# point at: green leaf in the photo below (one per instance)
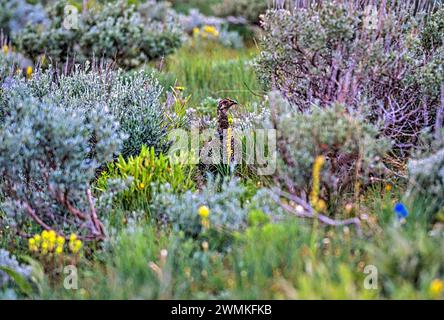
(24, 286)
(38, 274)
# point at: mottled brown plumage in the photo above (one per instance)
(223, 124)
(222, 114)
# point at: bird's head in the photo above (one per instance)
(225, 104)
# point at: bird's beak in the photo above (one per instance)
(234, 103)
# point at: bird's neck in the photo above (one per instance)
(222, 120)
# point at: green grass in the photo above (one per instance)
(213, 71)
(268, 261)
(283, 260)
(204, 6)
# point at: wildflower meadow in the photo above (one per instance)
(222, 150)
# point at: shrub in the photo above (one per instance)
(6, 62)
(426, 171)
(205, 29)
(12, 63)
(116, 31)
(229, 204)
(133, 100)
(186, 6)
(250, 10)
(345, 52)
(350, 145)
(231, 39)
(48, 160)
(15, 14)
(146, 171)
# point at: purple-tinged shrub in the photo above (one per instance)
(385, 54)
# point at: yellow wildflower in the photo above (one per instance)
(60, 240)
(72, 237)
(321, 205)
(141, 186)
(29, 71)
(78, 245)
(37, 238)
(5, 49)
(196, 31)
(32, 245)
(203, 212)
(75, 246)
(59, 250)
(316, 203)
(52, 236)
(45, 235)
(212, 30)
(388, 187)
(436, 288)
(44, 248)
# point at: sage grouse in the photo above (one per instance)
(223, 125)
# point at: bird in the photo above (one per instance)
(224, 126)
(223, 106)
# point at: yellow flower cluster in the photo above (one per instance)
(317, 204)
(207, 31)
(212, 30)
(46, 242)
(436, 288)
(74, 244)
(204, 213)
(5, 49)
(49, 242)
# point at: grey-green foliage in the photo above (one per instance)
(15, 14)
(426, 170)
(250, 10)
(5, 68)
(48, 156)
(428, 75)
(431, 35)
(342, 136)
(7, 260)
(228, 206)
(231, 39)
(131, 35)
(133, 100)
